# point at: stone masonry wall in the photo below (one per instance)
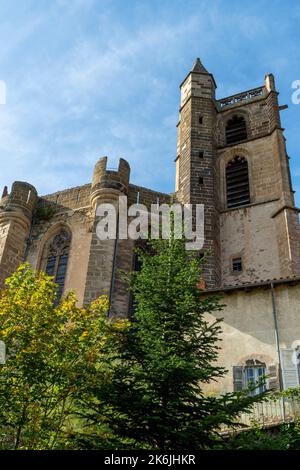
(12, 247)
(250, 233)
(72, 198)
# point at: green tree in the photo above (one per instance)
(156, 398)
(54, 353)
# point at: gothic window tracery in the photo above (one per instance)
(56, 259)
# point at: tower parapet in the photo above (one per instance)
(16, 212)
(107, 182)
(107, 186)
(23, 196)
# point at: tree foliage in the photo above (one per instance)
(54, 354)
(76, 379)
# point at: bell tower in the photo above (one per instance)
(196, 156)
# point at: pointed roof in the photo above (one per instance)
(198, 67)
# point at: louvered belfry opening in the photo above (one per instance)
(237, 182)
(236, 130)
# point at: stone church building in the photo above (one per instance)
(231, 157)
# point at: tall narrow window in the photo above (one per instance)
(254, 379)
(251, 377)
(236, 130)
(56, 259)
(237, 266)
(237, 182)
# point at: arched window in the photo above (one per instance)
(237, 182)
(55, 259)
(236, 130)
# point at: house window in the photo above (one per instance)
(236, 130)
(237, 182)
(201, 180)
(251, 377)
(201, 154)
(200, 119)
(237, 266)
(56, 259)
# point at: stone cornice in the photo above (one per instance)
(291, 208)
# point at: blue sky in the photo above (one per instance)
(87, 78)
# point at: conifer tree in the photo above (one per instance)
(157, 396)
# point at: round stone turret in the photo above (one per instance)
(23, 196)
(110, 182)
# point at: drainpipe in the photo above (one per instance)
(277, 342)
